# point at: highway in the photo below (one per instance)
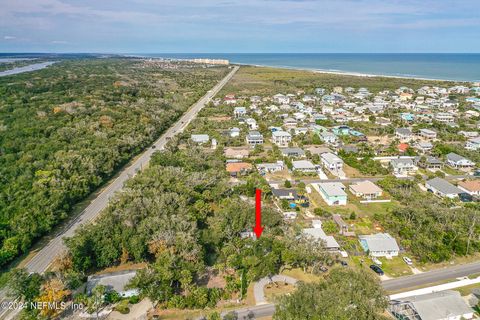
(44, 258)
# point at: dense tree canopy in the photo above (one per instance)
(66, 129)
(345, 294)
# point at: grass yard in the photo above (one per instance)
(274, 290)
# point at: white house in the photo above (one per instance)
(234, 132)
(379, 245)
(271, 167)
(427, 134)
(457, 161)
(473, 144)
(239, 112)
(254, 137)
(440, 305)
(303, 166)
(442, 188)
(281, 99)
(251, 123)
(471, 187)
(200, 138)
(403, 166)
(317, 233)
(281, 138)
(328, 137)
(404, 134)
(366, 189)
(115, 281)
(331, 161)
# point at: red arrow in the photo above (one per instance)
(258, 229)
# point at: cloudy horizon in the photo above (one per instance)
(241, 26)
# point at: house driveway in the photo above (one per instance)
(258, 291)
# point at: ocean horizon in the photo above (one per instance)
(441, 66)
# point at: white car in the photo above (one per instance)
(408, 260)
(376, 261)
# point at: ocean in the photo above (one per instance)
(443, 66)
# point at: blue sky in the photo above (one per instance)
(153, 26)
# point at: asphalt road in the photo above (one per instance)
(399, 284)
(44, 258)
(453, 272)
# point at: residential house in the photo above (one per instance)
(430, 163)
(239, 112)
(234, 132)
(238, 168)
(290, 123)
(331, 161)
(317, 233)
(281, 99)
(285, 194)
(427, 134)
(379, 245)
(366, 190)
(333, 193)
(292, 152)
(404, 134)
(442, 188)
(328, 137)
(383, 121)
(303, 166)
(444, 117)
(200, 138)
(439, 305)
(270, 167)
(473, 144)
(458, 162)
(403, 166)
(254, 138)
(236, 152)
(281, 138)
(424, 146)
(251, 123)
(472, 187)
(114, 281)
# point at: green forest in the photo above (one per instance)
(182, 217)
(66, 129)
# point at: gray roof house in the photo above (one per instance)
(292, 152)
(254, 137)
(200, 138)
(457, 161)
(441, 305)
(288, 194)
(443, 188)
(379, 245)
(113, 281)
(304, 166)
(317, 233)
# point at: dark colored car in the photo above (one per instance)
(343, 263)
(377, 270)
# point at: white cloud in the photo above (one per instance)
(9, 38)
(59, 42)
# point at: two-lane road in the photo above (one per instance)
(393, 285)
(44, 258)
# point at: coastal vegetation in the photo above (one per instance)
(429, 226)
(343, 289)
(252, 80)
(67, 129)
